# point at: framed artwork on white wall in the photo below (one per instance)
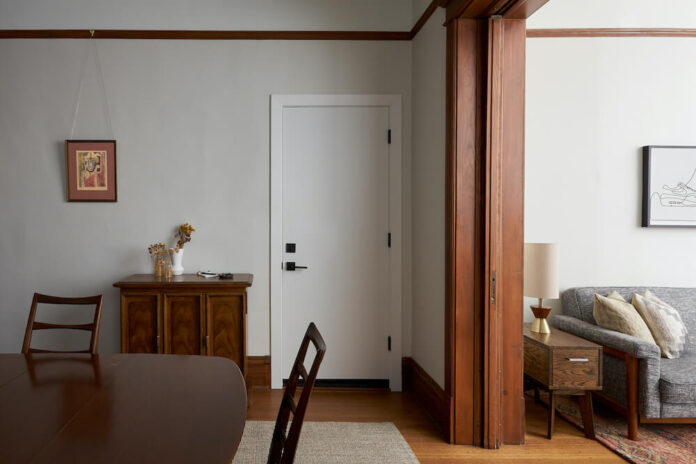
(669, 186)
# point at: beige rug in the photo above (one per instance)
(331, 442)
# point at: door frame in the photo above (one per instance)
(393, 104)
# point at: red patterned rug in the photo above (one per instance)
(656, 444)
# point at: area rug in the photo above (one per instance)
(656, 444)
(331, 442)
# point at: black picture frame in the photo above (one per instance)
(649, 189)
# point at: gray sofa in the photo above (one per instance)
(637, 381)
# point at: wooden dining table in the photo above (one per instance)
(120, 408)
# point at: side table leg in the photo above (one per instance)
(587, 414)
(552, 414)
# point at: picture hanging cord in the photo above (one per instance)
(92, 44)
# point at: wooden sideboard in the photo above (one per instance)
(185, 314)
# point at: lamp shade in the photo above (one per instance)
(541, 270)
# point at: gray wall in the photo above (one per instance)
(428, 319)
(191, 120)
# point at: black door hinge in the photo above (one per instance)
(389, 136)
(389, 240)
(389, 343)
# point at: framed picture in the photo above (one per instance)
(90, 170)
(669, 186)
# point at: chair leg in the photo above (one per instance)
(632, 396)
(552, 414)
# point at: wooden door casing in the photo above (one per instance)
(141, 323)
(226, 319)
(184, 324)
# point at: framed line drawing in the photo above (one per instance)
(669, 186)
(90, 170)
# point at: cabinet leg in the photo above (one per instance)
(585, 402)
(552, 414)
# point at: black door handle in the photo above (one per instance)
(291, 266)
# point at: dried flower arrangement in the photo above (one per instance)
(183, 235)
(159, 253)
(157, 249)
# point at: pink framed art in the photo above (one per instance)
(90, 170)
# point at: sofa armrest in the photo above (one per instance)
(634, 346)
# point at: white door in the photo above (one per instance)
(336, 214)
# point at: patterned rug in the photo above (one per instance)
(656, 444)
(331, 442)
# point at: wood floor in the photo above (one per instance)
(568, 445)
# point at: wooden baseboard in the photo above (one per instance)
(259, 373)
(431, 396)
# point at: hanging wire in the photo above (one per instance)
(92, 45)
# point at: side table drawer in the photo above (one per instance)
(575, 368)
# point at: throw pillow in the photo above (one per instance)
(665, 323)
(614, 313)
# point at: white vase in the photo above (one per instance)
(177, 257)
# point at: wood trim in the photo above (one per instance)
(431, 396)
(259, 373)
(512, 235)
(483, 9)
(143, 34)
(676, 420)
(424, 18)
(464, 250)
(492, 319)
(618, 32)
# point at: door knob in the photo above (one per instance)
(291, 266)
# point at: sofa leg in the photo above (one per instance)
(632, 396)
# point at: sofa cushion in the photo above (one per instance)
(614, 313)
(664, 322)
(678, 379)
(578, 303)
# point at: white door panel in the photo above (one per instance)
(335, 208)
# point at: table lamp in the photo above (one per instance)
(541, 280)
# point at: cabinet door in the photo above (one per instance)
(139, 323)
(226, 327)
(183, 324)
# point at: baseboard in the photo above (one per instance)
(259, 372)
(431, 396)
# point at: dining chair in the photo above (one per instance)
(284, 442)
(92, 327)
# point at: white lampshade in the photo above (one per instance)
(541, 270)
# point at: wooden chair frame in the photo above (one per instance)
(284, 446)
(631, 410)
(93, 327)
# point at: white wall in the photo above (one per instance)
(428, 184)
(207, 14)
(192, 124)
(615, 13)
(591, 105)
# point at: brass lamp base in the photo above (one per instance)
(540, 324)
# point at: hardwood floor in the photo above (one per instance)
(569, 445)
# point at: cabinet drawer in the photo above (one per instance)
(575, 368)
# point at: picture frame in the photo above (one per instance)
(669, 186)
(90, 170)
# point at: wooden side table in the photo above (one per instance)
(563, 364)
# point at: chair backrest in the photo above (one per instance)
(284, 443)
(91, 327)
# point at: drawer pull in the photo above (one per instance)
(578, 360)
